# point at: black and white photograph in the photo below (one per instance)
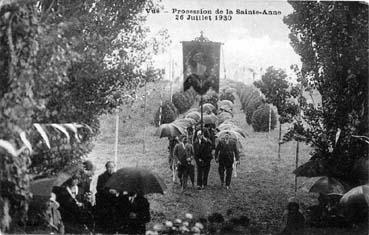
(184, 117)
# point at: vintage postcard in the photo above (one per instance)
(183, 117)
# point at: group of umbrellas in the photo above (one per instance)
(128, 179)
(223, 121)
(332, 187)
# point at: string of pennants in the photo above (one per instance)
(40, 128)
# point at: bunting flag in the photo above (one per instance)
(84, 125)
(62, 129)
(338, 135)
(8, 147)
(25, 141)
(42, 133)
(73, 128)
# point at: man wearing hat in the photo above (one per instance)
(225, 154)
(202, 148)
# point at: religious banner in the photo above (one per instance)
(202, 58)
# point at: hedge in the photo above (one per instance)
(260, 119)
(168, 114)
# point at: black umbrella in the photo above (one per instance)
(43, 187)
(312, 168)
(132, 179)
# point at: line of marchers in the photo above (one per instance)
(257, 12)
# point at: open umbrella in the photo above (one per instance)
(194, 115)
(227, 103)
(327, 185)
(229, 121)
(210, 119)
(223, 116)
(232, 134)
(355, 204)
(312, 168)
(207, 107)
(232, 127)
(358, 194)
(133, 179)
(184, 123)
(169, 130)
(225, 108)
(43, 187)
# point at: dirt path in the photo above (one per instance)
(260, 191)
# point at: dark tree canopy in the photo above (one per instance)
(65, 61)
(332, 40)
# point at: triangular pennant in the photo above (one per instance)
(62, 129)
(73, 128)
(83, 125)
(338, 134)
(8, 147)
(42, 133)
(25, 141)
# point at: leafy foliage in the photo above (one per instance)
(65, 61)
(183, 101)
(276, 89)
(260, 119)
(252, 105)
(168, 113)
(332, 40)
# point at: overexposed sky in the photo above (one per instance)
(249, 41)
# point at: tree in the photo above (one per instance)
(332, 40)
(260, 118)
(276, 89)
(65, 61)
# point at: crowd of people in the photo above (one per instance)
(71, 207)
(197, 149)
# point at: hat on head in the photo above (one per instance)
(199, 132)
(88, 165)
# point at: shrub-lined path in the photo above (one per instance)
(260, 191)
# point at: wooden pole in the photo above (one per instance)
(297, 163)
(171, 78)
(279, 141)
(270, 119)
(144, 116)
(202, 121)
(116, 139)
(160, 109)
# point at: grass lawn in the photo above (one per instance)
(260, 191)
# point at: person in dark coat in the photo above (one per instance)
(225, 153)
(180, 154)
(139, 213)
(190, 160)
(71, 206)
(202, 148)
(293, 220)
(105, 201)
(183, 152)
(123, 207)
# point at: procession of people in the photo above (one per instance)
(188, 152)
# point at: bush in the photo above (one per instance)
(251, 107)
(183, 101)
(260, 119)
(168, 114)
